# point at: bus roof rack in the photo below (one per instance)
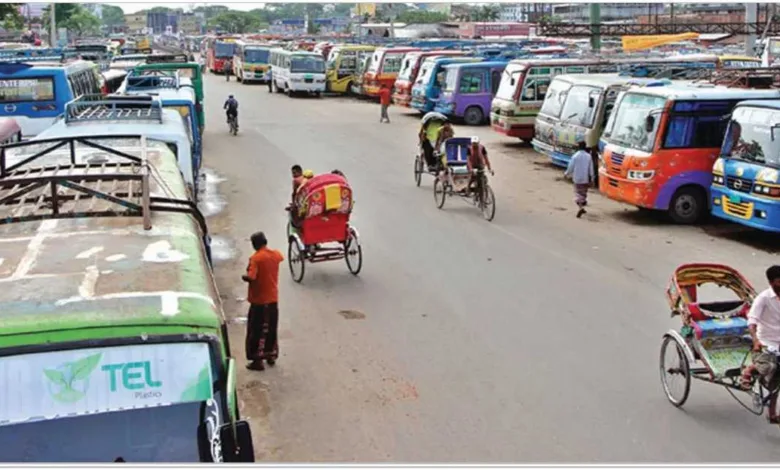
(93, 188)
(24, 60)
(167, 58)
(89, 108)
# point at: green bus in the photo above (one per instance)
(113, 343)
(170, 64)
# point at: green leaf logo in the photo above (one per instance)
(68, 383)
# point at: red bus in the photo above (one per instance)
(218, 50)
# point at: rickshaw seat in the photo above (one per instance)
(734, 326)
(702, 311)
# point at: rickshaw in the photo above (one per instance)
(455, 180)
(420, 165)
(714, 344)
(319, 228)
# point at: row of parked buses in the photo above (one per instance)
(110, 319)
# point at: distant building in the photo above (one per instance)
(162, 22)
(580, 12)
(189, 23)
(513, 12)
(136, 22)
(481, 30)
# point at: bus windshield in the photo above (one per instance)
(307, 65)
(14, 90)
(425, 73)
(510, 80)
(256, 56)
(627, 125)
(407, 67)
(577, 109)
(451, 80)
(224, 49)
(754, 136)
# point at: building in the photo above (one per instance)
(136, 22)
(162, 22)
(513, 12)
(189, 23)
(580, 12)
(481, 30)
(698, 13)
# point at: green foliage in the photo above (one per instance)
(81, 22)
(113, 15)
(235, 22)
(421, 16)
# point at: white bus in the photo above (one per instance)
(250, 62)
(297, 71)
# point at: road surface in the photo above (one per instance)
(534, 338)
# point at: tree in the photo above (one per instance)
(11, 18)
(421, 16)
(235, 22)
(113, 15)
(82, 22)
(489, 12)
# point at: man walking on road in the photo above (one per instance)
(384, 101)
(262, 274)
(580, 170)
(227, 67)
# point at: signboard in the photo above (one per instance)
(638, 43)
(50, 385)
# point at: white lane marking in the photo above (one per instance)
(162, 252)
(34, 249)
(113, 258)
(88, 253)
(87, 287)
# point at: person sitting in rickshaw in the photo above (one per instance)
(430, 139)
(764, 327)
(295, 211)
(445, 134)
(477, 160)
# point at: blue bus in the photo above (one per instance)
(35, 93)
(746, 177)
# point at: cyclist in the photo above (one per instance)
(231, 105)
(477, 160)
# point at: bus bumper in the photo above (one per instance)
(745, 209)
(636, 193)
(503, 125)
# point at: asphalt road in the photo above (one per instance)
(534, 338)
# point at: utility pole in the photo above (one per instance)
(595, 29)
(53, 25)
(751, 18)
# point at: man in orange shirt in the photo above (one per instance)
(384, 101)
(262, 274)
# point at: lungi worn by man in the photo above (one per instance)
(262, 274)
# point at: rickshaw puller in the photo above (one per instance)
(764, 326)
(477, 160)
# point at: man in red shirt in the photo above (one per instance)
(262, 274)
(384, 101)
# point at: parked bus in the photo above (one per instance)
(297, 71)
(576, 108)
(142, 370)
(188, 70)
(523, 87)
(410, 68)
(218, 50)
(659, 146)
(682, 66)
(384, 68)
(343, 66)
(111, 80)
(469, 89)
(430, 81)
(250, 62)
(36, 93)
(746, 178)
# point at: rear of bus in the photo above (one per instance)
(33, 95)
(253, 64)
(220, 52)
(659, 147)
(384, 69)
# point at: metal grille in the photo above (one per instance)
(744, 185)
(98, 108)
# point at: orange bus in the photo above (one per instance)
(385, 65)
(659, 145)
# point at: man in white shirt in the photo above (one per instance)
(764, 326)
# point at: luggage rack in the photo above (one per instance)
(97, 188)
(152, 79)
(167, 58)
(98, 108)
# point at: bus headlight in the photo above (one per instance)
(640, 175)
(767, 190)
(718, 179)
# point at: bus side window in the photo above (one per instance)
(495, 81)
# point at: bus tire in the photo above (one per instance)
(688, 205)
(349, 91)
(474, 116)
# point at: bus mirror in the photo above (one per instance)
(591, 102)
(649, 123)
(512, 82)
(236, 442)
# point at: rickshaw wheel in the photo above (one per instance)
(439, 192)
(418, 170)
(488, 204)
(295, 259)
(352, 249)
(668, 370)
